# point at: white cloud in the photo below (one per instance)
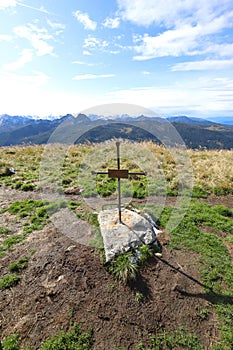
(86, 53)
(200, 97)
(5, 37)
(114, 52)
(81, 63)
(85, 20)
(185, 27)
(185, 40)
(59, 27)
(171, 13)
(170, 43)
(111, 23)
(94, 43)
(38, 38)
(203, 65)
(92, 76)
(25, 57)
(222, 50)
(7, 3)
(37, 79)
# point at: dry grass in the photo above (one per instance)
(212, 170)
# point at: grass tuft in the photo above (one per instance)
(9, 281)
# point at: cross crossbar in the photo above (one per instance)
(118, 174)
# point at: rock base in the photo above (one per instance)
(132, 232)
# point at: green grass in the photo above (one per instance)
(36, 215)
(19, 264)
(105, 186)
(179, 339)
(215, 264)
(10, 343)
(10, 242)
(75, 339)
(9, 281)
(125, 267)
(4, 231)
(37, 212)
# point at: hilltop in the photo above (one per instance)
(181, 298)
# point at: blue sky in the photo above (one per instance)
(63, 56)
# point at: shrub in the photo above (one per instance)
(199, 192)
(18, 185)
(222, 210)
(139, 297)
(221, 191)
(27, 187)
(140, 188)
(105, 186)
(9, 242)
(19, 264)
(92, 218)
(72, 340)
(146, 252)
(124, 268)
(9, 280)
(12, 240)
(11, 342)
(4, 231)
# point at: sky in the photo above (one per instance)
(64, 56)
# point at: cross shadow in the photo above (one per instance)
(212, 297)
(209, 295)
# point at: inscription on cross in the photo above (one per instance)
(118, 174)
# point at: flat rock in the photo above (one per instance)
(132, 232)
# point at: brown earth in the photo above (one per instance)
(66, 282)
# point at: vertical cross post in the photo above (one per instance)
(119, 180)
(118, 174)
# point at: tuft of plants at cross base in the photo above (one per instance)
(126, 266)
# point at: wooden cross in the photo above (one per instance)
(118, 174)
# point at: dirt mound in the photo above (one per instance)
(66, 282)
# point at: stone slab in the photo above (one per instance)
(134, 231)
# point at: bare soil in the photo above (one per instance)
(67, 282)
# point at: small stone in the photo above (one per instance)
(73, 190)
(71, 247)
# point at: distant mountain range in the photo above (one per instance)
(196, 132)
